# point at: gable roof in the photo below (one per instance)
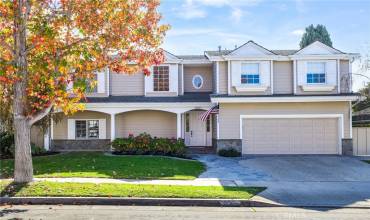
(192, 57)
(318, 44)
(250, 42)
(170, 56)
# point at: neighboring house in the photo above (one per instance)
(269, 102)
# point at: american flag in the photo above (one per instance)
(205, 115)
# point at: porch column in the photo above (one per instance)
(178, 125)
(112, 126)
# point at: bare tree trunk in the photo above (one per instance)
(23, 171)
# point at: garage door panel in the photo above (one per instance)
(290, 136)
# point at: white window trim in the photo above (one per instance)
(287, 116)
(193, 78)
(87, 132)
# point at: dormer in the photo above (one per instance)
(317, 69)
(250, 69)
(163, 80)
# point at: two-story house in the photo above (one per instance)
(255, 100)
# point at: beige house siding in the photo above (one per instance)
(204, 71)
(229, 116)
(37, 136)
(180, 79)
(214, 77)
(345, 82)
(127, 84)
(222, 79)
(283, 77)
(60, 131)
(156, 123)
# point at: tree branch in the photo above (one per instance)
(7, 46)
(39, 115)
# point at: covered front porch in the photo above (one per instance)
(99, 124)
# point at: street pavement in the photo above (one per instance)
(171, 213)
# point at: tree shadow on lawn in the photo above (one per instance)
(11, 189)
(98, 165)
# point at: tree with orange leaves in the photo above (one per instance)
(47, 44)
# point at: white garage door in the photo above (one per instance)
(290, 136)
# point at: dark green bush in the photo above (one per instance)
(144, 144)
(7, 147)
(6, 144)
(231, 152)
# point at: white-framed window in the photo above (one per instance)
(161, 78)
(197, 81)
(89, 88)
(250, 73)
(87, 129)
(316, 73)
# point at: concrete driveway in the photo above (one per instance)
(297, 180)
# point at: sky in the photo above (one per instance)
(199, 25)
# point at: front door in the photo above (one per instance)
(196, 129)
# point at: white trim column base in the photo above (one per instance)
(112, 126)
(178, 125)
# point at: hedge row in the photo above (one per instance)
(144, 144)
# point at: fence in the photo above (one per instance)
(361, 141)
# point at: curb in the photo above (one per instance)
(132, 201)
(156, 202)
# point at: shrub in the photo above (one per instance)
(6, 144)
(37, 150)
(231, 152)
(7, 147)
(145, 144)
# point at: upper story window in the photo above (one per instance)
(89, 88)
(197, 81)
(250, 73)
(316, 72)
(87, 129)
(161, 78)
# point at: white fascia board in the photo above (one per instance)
(173, 107)
(196, 62)
(283, 99)
(321, 57)
(172, 62)
(215, 58)
(267, 57)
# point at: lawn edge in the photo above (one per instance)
(133, 201)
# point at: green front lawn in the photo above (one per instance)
(95, 164)
(53, 189)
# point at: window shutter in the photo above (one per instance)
(265, 73)
(173, 78)
(301, 72)
(71, 129)
(102, 129)
(235, 73)
(331, 72)
(101, 81)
